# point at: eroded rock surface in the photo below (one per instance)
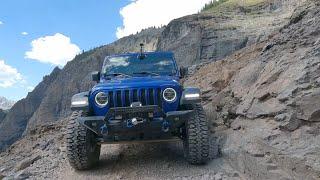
(269, 99)
(3, 114)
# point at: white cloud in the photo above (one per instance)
(140, 14)
(56, 50)
(1, 22)
(9, 75)
(24, 33)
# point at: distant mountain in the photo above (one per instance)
(6, 104)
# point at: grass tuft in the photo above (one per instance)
(212, 5)
(216, 4)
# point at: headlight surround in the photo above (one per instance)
(101, 99)
(169, 95)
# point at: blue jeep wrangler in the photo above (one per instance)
(138, 98)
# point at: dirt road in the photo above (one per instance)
(149, 161)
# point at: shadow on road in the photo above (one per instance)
(155, 161)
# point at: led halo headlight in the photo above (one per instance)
(169, 94)
(101, 99)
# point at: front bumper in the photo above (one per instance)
(143, 123)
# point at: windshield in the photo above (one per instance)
(133, 66)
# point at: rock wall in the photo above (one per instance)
(264, 101)
(276, 78)
(2, 115)
(213, 35)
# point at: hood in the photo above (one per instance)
(136, 82)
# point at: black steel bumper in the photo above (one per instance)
(150, 124)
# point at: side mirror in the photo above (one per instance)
(95, 76)
(183, 72)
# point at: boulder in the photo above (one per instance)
(291, 123)
(20, 175)
(268, 108)
(308, 106)
(27, 162)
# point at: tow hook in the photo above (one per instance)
(133, 122)
(104, 130)
(165, 126)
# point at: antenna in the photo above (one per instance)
(142, 55)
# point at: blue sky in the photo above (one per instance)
(37, 35)
(88, 23)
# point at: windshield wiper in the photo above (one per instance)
(148, 73)
(118, 74)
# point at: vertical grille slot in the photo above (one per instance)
(147, 96)
(119, 102)
(159, 97)
(135, 95)
(111, 103)
(143, 97)
(151, 96)
(127, 98)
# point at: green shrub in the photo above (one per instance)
(213, 4)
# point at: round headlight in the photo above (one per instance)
(169, 94)
(101, 99)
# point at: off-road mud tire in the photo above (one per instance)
(83, 152)
(196, 138)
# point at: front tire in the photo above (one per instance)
(196, 138)
(83, 152)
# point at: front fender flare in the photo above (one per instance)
(190, 95)
(80, 101)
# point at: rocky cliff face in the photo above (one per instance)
(197, 38)
(275, 78)
(3, 114)
(266, 98)
(217, 33)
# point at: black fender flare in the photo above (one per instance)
(188, 100)
(80, 101)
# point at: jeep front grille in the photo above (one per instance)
(124, 98)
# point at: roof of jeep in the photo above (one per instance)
(156, 53)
